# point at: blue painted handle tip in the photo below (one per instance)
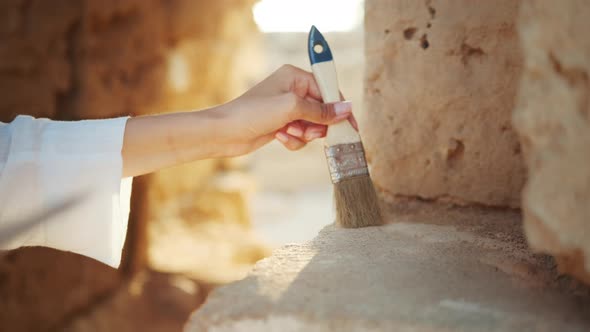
(318, 48)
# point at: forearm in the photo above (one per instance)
(286, 105)
(159, 141)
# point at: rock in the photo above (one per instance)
(40, 288)
(553, 119)
(138, 57)
(435, 269)
(441, 83)
(34, 68)
(149, 302)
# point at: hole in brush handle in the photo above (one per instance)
(318, 48)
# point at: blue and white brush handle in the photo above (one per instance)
(324, 71)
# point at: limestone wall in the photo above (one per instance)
(553, 119)
(441, 82)
(71, 59)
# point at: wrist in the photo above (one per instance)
(201, 136)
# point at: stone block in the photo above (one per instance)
(435, 268)
(553, 119)
(42, 288)
(440, 85)
(34, 64)
(150, 301)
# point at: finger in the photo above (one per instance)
(290, 142)
(305, 130)
(314, 131)
(306, 124)
(288, 78)
(321, 113)
(301, 82)
(296, 128)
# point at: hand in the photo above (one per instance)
(286, 106)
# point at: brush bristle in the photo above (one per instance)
(356, 203)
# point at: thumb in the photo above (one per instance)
(313, 111)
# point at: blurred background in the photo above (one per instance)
(191, 227)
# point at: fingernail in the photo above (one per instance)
(282, 137)
(294, 131)
(343, 108)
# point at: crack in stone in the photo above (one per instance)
(424, 43)
(577, 79)
(431, 9)
(409, 33)
(467, 52)
(441, 199)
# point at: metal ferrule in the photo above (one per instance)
(346, 161)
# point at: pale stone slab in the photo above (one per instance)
(432, 270)
(553, 119)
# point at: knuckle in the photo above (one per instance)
(287, 68)
(288, 145)
(293, 102)
(293, 70)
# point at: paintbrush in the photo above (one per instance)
(354, 194)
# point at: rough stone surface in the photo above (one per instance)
(553, 119)
(34, 64)
(434, 269)
(149, 302)
(34, 297)
(440, 86)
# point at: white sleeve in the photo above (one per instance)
(44, 163)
